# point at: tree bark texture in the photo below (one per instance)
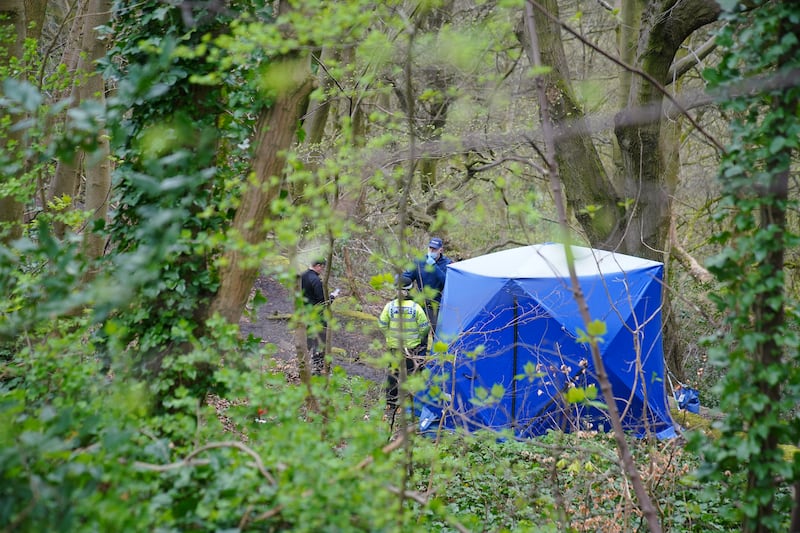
(66, 177)
(665, 25)
(97, 168)
(274, 134)
(11, 208)
(591, 195)
(97, 165)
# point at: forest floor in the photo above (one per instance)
(353, 342)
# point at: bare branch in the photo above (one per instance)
(626, 457)
(684, 65)
(605, 5)
(396, 443)
(423, 500)
(595, 124)
(190, 461)
(632, 69)
(684, 258)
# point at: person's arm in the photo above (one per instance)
(414, 275)
(441, 272)
(441, 265)
(383, 319)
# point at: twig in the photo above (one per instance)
(188, 460)
(423, 500)
(396, 443)
(695, 269)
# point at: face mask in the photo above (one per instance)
(431, 258)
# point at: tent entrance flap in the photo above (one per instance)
(510, 322)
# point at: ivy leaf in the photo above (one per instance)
(777, 144)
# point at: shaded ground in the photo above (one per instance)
(352, 342)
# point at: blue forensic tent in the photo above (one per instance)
(513, 314)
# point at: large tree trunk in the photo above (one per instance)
(665, 25)
(646, 170)
(83, 49)
(97, 165)
(591, 195)
(594, 197)
(11, 208)
(275, 133)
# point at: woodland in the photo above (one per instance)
(163, 162)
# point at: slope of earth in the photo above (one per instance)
(354, 341)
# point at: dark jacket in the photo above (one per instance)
(311, 284)
(433, 276)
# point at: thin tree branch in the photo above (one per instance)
(687, 63)
(189, 459)
(423, 500)
(605, 5)
(634, 70)
(396, 443)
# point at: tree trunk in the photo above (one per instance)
(97, 165)
(316, 118)
(11, 208)
(674, 344)
(66, 178)
(274, 134)
(665, 25)
(591, 196)
(646, 166)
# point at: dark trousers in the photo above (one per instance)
(413, 360)
(315, 342)
(432, 310)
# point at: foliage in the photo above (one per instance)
(176, 183)
(106, 420)
(760, 389)
(30, 141)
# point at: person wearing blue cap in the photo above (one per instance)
(429, 275)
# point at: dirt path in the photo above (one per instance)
(352, 342)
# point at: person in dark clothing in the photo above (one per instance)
(430, 273)
(315, 299)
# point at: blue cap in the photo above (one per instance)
(436, 243)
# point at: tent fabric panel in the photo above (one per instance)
(465, 295)
(485, 357)
(610, 298)
(635, 359)
(549, 261)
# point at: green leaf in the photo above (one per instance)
(777, 144)
(498, 391)
(597, 328)
(22, 93)
(581, 394)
